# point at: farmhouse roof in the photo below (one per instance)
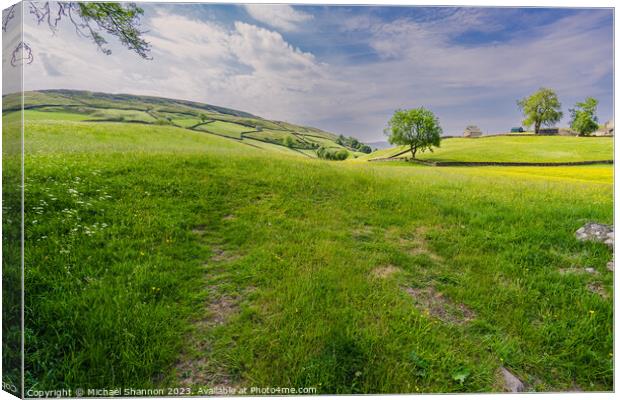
(472, 129)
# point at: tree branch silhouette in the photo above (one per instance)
(91, 21)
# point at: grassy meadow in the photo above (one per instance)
(11, 255)
(526, 148)
(160, 256)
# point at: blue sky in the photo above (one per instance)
(346, 69)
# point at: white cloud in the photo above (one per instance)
(267, 52)
(283, 17)
(422, 66)
(246, 66)
(188, 39)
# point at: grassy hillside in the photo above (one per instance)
(48, 105)
(159, 256)
(527, 148)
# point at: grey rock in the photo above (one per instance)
(511, 382)
(590, 270)
(595, 232)
(610, 265)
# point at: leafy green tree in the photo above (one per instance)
(417, 128)
(328, 154)
(289, 142)
(364, 148)
(341, 155)
(541, 108)
(583, 117)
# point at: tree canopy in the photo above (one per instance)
(90, 20)
(541, 108)
(583, 117)
(332, 154)
(417, 128)
(116, 19)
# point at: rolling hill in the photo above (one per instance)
(232, 124)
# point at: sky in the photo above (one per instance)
(345, 69)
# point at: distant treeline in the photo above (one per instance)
(353, 144)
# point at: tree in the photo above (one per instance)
(289, 142)
(90, 20)
(417, 128)
(341, 155)
(328, 154)
(583, 117)
(541, 108)
(365, 149)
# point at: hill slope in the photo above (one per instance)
(205, 118)
(511, 149)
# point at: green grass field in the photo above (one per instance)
(157, 256)
(34, 115)
(225, 128)
(283, 150)
(528, 148)
(186, 122)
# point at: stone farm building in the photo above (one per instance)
(566, 132)
(548, 131)
(605, 130)
(472, 131)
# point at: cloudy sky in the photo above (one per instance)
(346, 69)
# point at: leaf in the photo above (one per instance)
(421, 365)
(461, 375)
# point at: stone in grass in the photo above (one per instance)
(610, 265)
(597, 233)
(511, 382)
(590, 270)
(573, 270)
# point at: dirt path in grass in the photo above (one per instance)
(199, 365)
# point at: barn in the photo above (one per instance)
(606, 129)
(472, 131)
